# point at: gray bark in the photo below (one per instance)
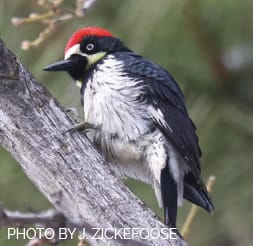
(65, 167)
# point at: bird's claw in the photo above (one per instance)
(81, 127)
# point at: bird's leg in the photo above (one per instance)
(82, 126)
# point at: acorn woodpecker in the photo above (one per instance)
(136, 116)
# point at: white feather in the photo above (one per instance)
(111, 101)
(158, 116)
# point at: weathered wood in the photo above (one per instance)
(65, 167)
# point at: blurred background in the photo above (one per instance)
(207, 45)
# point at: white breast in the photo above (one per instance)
(110, 101)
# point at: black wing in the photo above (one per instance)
(163, 93)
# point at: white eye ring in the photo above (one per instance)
(90, 47)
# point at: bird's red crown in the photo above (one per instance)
(87, 31)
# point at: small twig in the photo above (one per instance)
(26, 44)
(194, 210)
(56, 13)
(33, 17)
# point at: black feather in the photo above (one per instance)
(181, 133)
(169, 197)
(162, 92)
(159, 81)
(197, 193)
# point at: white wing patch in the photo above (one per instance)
(158, 116)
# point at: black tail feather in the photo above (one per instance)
(197, 193)
(169, 197)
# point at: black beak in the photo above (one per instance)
(64, 65)
(74, 65)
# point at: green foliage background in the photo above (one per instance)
(207, 45)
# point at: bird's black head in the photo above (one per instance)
(85, 48)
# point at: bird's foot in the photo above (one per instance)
(79, 126)
(82, 127)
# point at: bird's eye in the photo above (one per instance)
(90, 47)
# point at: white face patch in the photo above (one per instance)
(75, 49)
